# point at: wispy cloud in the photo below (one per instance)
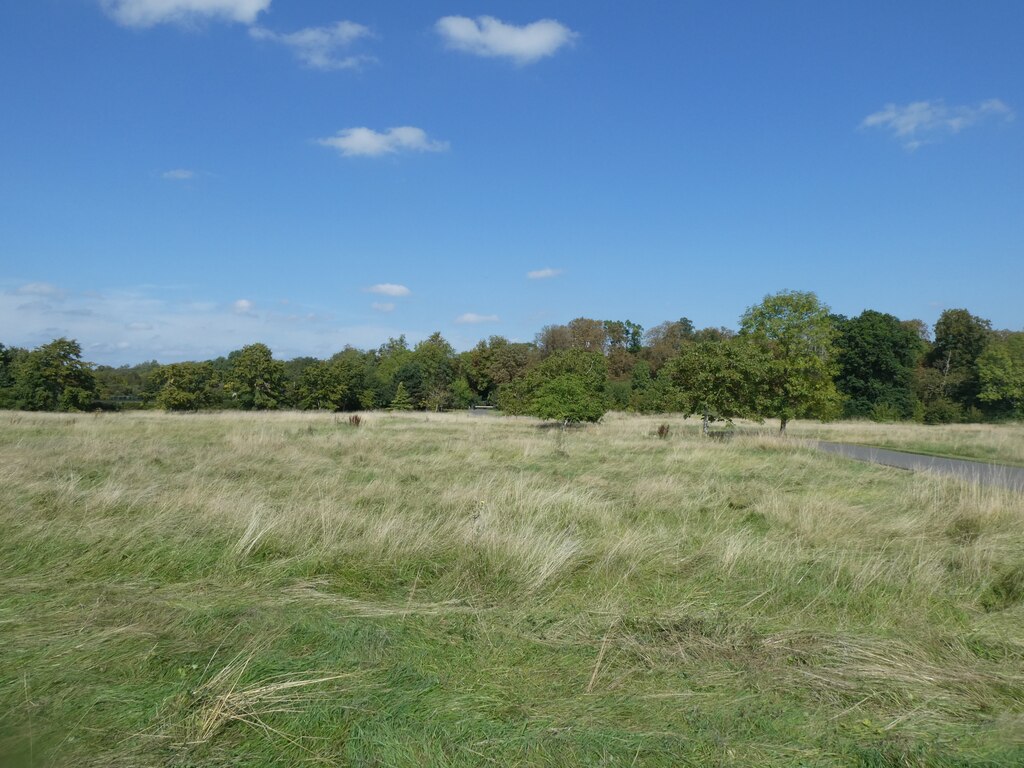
(543, 274)
(383, 306)
(388, 289)
(178, 174)
(366, 142)
(927, 122)
(473, 318)
(148, 13)
(47, 290)
(488, 36)
(117, 326)
(321, 47)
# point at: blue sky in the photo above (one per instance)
(179, 178)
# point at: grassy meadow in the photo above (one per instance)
(451, 590)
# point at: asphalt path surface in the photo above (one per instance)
(975, 471)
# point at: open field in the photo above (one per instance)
(285, 589)
(1000, 443)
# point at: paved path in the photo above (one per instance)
(978, 471)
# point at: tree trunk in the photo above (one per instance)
(782, 425)
(704, 426)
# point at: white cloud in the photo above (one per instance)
(488, 36)
(178, 174)
(147, 13)
(383, 306)
(243, 307)
(366, 142)
(926, 122)
(319, 47)
(543, 274)
(388, 289)
(473, 317)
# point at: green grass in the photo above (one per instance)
(284, 589)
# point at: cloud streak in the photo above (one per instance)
(928, 122)
(148, 13)
(490, 37)
(388, 289)
(366, 142)
(472, 318)
(543, 274)
(320, 47)
(178, 174)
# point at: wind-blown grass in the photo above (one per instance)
(284, 589)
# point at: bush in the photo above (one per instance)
(942, 411)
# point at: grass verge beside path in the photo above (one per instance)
(285, 589)
(994, 443)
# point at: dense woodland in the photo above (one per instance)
(789, 359)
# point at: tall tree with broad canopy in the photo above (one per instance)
(960, 338)
(255, 380)
(795, 330)
(53, 377)
(876, 357)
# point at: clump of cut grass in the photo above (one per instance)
(224, 699)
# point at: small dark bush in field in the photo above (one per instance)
(663, 431)
(354, 420)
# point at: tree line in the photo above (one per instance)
(790, 358)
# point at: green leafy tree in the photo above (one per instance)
(795, 330)
(10, 358)
(321, 388)
(1001, 373)
(578, 376)
(54, 377)
(462, 395)
(434, 359)
(255, 380)
(960, 338)
(569, 399)
(720, 380)
(877, 354)
(401, 401)
(495, 363)
(185, 386)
